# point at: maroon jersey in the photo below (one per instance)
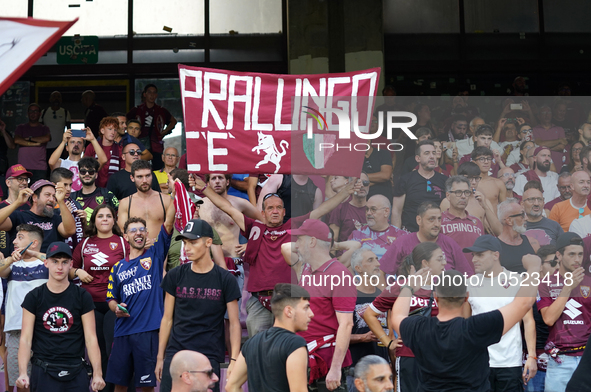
(573, 327)
(348, 218)
(464, 231)
(112, 166)
(420, 299)
(153, 121)
(96, 256)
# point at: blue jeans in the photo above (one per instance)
(559, 374)
(537, 383)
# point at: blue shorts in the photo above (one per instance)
(131, 354)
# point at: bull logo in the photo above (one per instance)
(272, 153)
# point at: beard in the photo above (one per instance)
(87, 183)
(509, 186)
(519, 229)
(535, 214)
(48, 212)
(544, 168)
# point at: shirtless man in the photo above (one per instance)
(227, 229)
(478, 205)
(493, 188)
(146, 203)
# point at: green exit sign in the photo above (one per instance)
(78, 50)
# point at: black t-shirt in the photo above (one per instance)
(58, 336)
(452, 355)
(360, 350)
(92, 200)
(373, 164)
(121, 185)
(581, 378)
(6, 245)
(48, 225)
(266, 356)
(418, 189)
(199, 308)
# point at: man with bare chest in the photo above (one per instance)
(146, 203)
(226, 227)
(493, 188)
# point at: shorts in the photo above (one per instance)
(43, 382)
(135, 353)
(12, 343)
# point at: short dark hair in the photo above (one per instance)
(421, 144)
(451, 288)
(422, 131)
(148, 86)
(208, 176)
(60, 173)
(33, 230)
(285, 294)
(533, 184)
(140, 164)
(469, 169)
(89, 163)
(117, 114)
(425, 206)
(584, 153)
(484, 129)
(546, 251)
(459, 117)
(133, 120)
(182, 175)
(481, 151)
(449, 183)
(134, 219)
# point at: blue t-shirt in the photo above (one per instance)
(235, 192)
(136, 283)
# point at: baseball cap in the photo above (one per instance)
(195, 228)
(314, 228)
(484, 243)
(538, 149)
(567, 239)
(40, 184)
(58, 247)
(17, 170)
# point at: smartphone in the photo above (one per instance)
(516, 106)
(121, 308)
(22, 252)
(79, 133)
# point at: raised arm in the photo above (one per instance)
(23, 196)
(332, 203)
(98, 149)
(55, 158)
(6, 135)
(170, 213)
(217, 200)
(68, 226)
(271, 186)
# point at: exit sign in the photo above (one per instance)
(78, 50)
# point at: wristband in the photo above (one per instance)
(76, 271)
(202, 189)
(412, 291)
(232, 359)
(531, 356)
(389, 344)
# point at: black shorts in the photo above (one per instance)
(506, 379)
(408, 378)
(43, 382)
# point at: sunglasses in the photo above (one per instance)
(134, 230)
(268, 195)
(134, 152)
(429, 188)
(552, 262)
(365, 182)
(87, 171)
(209, 372)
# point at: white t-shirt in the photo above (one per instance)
(56, 123)
(466, 146)
(24, 277)
(581, 226)
(492, 295)
(549, 183)
(73, 167)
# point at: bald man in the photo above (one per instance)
(576, 207)
(191, 372)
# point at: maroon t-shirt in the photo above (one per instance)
(420, 299)
(267, 265)
(463, 231)
(112, 166)
(96, 256)
(325, 302)
(404, 245)
(348, 218)
(153, 121)
(33, 158)
(573, 327)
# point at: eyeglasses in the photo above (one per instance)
(459, 193)
(429, 189)
(520, 215)
(170, 155)
(21, 180)
(509, 175)
(87, 171)
(134, 230)
(483, 159)
(268, 195)
(374, 209)
(133, 152)
(209, 372)
(534, 200)
(577, 149)
(552, 262)
(524, 131)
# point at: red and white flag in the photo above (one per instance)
(22, 42)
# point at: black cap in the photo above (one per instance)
(196, 228)
(56, 248)
(484, 243)
(567, 239)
